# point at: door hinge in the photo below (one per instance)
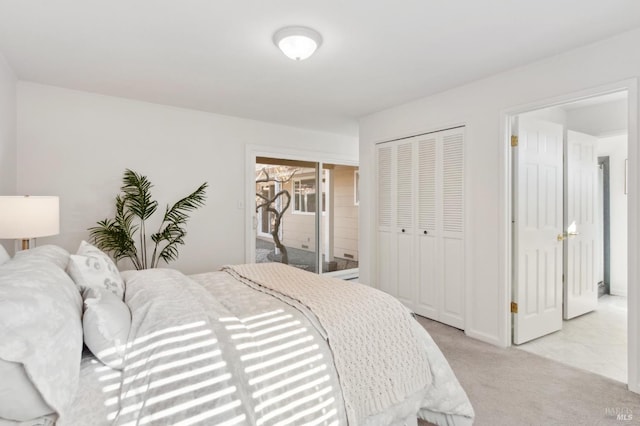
(562, 277)
(514, 140)
(514, 308)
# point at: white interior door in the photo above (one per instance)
(538, 208)
(581, 244)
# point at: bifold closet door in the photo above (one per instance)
(429, 292)
(420, 223)
(396, 231)
(440, 234)
(452, 242)
(386, 254)
(405, 229)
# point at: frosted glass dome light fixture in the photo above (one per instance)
(297, 43)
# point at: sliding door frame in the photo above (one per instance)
(251, 154)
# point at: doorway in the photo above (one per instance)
(604, 202)
(570, 233)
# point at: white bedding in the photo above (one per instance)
(40, 331)
(208, 349)
(405, 360)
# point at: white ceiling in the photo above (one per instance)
(218, 56)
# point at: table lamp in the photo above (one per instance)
(24, 217)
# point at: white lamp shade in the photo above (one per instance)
(24, 217)
(297, 43)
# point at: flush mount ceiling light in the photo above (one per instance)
(297, 43)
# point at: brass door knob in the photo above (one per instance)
(566, 235)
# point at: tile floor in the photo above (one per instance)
(595, 342)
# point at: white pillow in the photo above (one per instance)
(106, 324)
(4, 256)
(21, 400)
(91, 267)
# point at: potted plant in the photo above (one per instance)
(125, 235)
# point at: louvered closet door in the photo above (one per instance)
(386, 269)
(421, 223)
(452, 242)
(428, 297)
(405, 230)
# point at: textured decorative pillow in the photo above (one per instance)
(41, 329)
(106, 324)
(4, 256)
(20, 399)
(55, 254)
(90, 267)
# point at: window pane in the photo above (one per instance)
(305, 195)
(296, 196)
(311, 203)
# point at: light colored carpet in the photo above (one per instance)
(513, 387)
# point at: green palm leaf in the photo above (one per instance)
(137, 195)
(133, 207)
(172, 229)
(115, 236)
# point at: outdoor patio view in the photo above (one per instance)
(289, 197)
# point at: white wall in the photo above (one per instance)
(77, 145)
(7, 134)
(616, 148)
(481, 106)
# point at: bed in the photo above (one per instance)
(263, 344)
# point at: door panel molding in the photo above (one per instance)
(537, 222)
(581, 176)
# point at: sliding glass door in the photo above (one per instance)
(307, 215)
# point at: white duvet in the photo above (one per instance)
(210, 350)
